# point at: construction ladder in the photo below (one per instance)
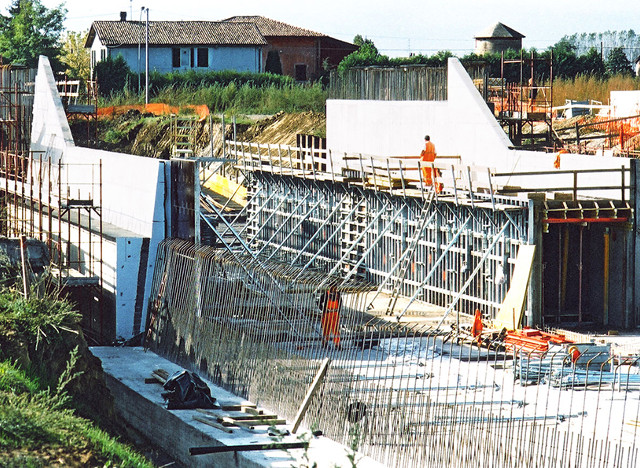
(183, 135)
(409, 253)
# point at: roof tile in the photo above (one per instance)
(269, 27)
(118, 33)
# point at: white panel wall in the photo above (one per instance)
(133, 193)
(625, 103)
(463, 125)
(50, 130)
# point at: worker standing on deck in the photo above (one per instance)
(428, 156)
(330, 304)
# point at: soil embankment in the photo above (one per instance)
(149, 135)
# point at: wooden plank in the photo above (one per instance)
(248, 447)
(322, 372)
(209, 422)
(510, 314)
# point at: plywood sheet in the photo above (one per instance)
(510, 314)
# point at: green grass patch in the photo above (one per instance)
(36, 425)
(37, 318)
(234, 98)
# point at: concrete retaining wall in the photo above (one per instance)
(463, 125)
(132, 192)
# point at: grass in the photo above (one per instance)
(34, 319)
(38, 425)
(233, 98)
(584, 87)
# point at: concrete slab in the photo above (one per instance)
(175, 431)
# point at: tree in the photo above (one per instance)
(565, 60)
(367, 54)
(618, 63)
(366, 46)
(75, 56)
(31, 30)
(112, 75)
(591, 63)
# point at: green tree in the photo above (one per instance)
(618, 63)
(365, 45)
(31, 30)
(75, 56)
(112, 75)
(591, 63)
(367, 54)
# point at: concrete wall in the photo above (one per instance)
(496, 45)
(463, 125)
(50, 131)
(131, 199)
(625, 103)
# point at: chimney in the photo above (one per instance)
(123, 16)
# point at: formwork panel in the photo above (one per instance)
(366, 233)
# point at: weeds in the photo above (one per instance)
(584, 87)
(35, 318)
(36, 421)
(234, 98)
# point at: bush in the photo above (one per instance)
(113, 75)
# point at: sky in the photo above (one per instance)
(397, 27)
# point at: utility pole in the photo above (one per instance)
(146, 63)
(139, 41)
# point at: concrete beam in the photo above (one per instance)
(142, 407)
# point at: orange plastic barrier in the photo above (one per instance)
(201, 111)
(529, 340)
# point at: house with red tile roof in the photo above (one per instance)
(179, 45)
(297, 52)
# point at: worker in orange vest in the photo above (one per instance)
(330, 304)
(476, 328)
(428, 156)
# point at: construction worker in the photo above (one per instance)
(533, 92)
(330, 304)
(476, 328)
(428, 156)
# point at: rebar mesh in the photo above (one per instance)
(404, 393)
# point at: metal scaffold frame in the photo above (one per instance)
(60, 205)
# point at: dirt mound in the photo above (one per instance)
(282, 128)
(148, 135)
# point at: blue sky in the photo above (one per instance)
(397, 27)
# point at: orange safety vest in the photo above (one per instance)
(333, 305)
(429, 152)
(476, 329)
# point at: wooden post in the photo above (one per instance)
(310, 393)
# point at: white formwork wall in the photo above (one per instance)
(132, 196)
(462, 125)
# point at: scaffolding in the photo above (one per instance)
(16, 104)
(81, 106)
(524, 102)
(57, 203)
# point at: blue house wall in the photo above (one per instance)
(238, 58)
(220, 58)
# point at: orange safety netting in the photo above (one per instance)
(201, 111)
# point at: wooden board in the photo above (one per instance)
(510, 314)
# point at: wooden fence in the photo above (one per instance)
(406, 83)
